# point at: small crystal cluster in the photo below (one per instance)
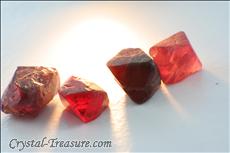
(32, 88)
(138, 74)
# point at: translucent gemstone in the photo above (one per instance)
(136, 73)
(85, 99)
(175, 58)
(30, 89)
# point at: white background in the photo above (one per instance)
(80, 37)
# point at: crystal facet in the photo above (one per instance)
(30, 89)
(175, 58)
(136, 73)
(86, 99)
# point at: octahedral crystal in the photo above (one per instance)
(30, 89)
(136, 73)
(86, 99)
(175, 58)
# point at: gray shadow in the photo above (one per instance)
(25, 128)
(38, 123)
(165, 119)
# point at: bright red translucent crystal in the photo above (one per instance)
(175, 58)
(30, 90)
(136, 73)
(86, 99)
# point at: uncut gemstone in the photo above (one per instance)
(84, 98)
(136, 73)
(30, 90)
(175, 58)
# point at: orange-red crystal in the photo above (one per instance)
(175, 58)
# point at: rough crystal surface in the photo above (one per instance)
(30, 89)
(136, 73)
(175, 58)
(86, 99)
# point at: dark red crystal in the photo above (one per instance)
(86, 99)
(30, 89)
(136, 73)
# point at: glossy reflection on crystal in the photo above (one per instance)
(136, 73)
(175, 58)
(30, 89)
(84, 98)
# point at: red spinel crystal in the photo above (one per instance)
(136, 73)
(175, 58)
(30, 90)
(86, 99)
